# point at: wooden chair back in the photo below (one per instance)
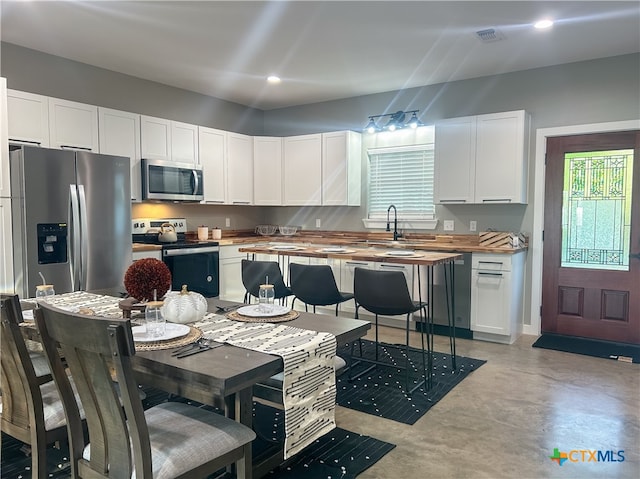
(23, 415)
(97, 351)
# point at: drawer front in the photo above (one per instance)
(491, 262)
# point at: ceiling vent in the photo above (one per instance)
(490, 35)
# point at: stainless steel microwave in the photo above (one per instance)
(168, 180)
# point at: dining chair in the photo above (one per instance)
(170, 440)
(30, 406)
(315, 285)
(386, 293)
(255, 273)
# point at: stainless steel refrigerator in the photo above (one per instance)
(71, 215)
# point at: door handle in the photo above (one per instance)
(634, 255)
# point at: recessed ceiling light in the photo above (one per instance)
(542, 24)
(273, 79)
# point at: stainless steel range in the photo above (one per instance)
(191, 262)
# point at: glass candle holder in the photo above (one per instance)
(266, 297)
(44, 290)
(154, 320)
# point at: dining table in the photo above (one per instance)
(225, 376)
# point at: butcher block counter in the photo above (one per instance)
(404, 256)
(413, 241)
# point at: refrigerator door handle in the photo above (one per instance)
(84, 254)
(75, 237)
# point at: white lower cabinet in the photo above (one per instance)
(6, 247)
(231, 288)
(347, 268)
(497, 296)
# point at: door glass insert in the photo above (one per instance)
(596, 210)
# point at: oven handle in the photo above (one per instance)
(185, 251)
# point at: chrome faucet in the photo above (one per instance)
(396, 235)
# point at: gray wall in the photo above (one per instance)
(579, 93)
(36, 72)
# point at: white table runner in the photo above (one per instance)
(309, 386)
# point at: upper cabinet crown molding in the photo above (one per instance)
(119, 134)
(482, 159)
(73, 125)
(28, 118)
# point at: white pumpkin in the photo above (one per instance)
(184, 307)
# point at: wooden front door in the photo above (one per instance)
(591, 260)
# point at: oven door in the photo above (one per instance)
(197, 267)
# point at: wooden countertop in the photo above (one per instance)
(417, 241)
(425, 258)
(146, 247)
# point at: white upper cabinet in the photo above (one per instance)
(455, 150)
(303, 170)
(119, 133)
(341, 168)
(239, 169)
(28, 118)
(482, 159)
(155, 138)
(212, 153)
(502, 148)
(184, 142)
(5, 181)
(267, 170)
(73, 125)
(168, 140)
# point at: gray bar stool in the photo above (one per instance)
(315, 285)
(255, 273)
(386, 293)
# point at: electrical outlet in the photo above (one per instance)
(473, 225)
(318, 223)
(227, 222)
(448, 225)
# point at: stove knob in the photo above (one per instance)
(135, 225)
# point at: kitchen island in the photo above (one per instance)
(417, 261)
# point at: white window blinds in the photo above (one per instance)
(402, 176)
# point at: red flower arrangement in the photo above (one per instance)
(146, 275)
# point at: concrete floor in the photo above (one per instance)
(505, 419)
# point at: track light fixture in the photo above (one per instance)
(396, 121)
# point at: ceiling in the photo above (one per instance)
(322, 50)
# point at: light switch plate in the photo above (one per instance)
(473, 225)
(227, 222)
(448, 225)
(318, 223)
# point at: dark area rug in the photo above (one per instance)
(381, 392)
(590, 347)
(339, 454)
